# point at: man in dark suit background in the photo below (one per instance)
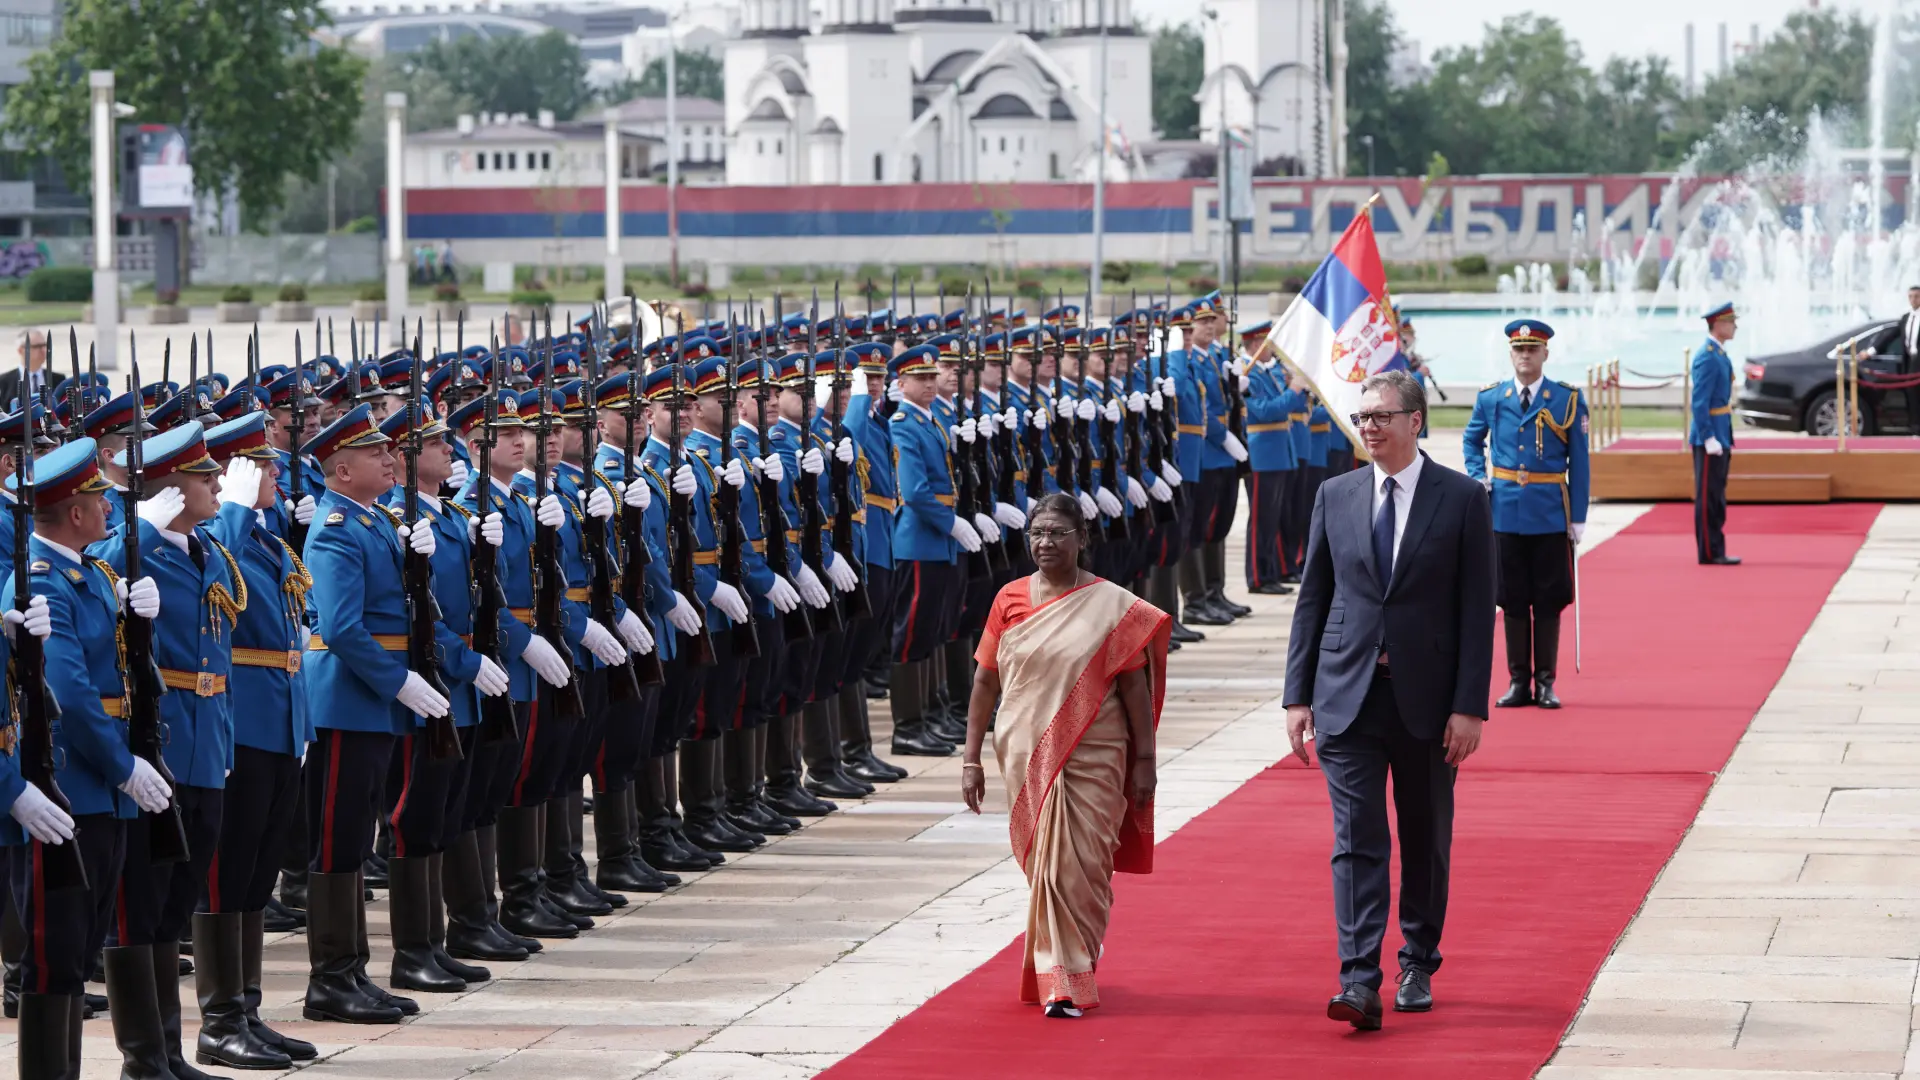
(33, 347)
(1388, 669)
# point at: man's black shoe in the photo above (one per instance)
(1271, 588)
(1181, 635)
(1415, 993)
(916, 741)
(281, 919)
(1201, 612)
(1518, 695)
(1238, 611)
(1357, 1005)
(1544, 696)
(1723, 560)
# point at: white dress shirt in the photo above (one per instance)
(1531, 389)
(1404, 482)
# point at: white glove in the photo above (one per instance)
(241, 483)
(1246, 383)
(1170, 473)
(1088, 508)
(1577, 532)
(990, 423)
(36, 618)
(989, 531)
(143, 597)
(813, 462)
(770, 468)
(424, 700)
(491, 679)
(493, 529)
(638, 495)
(1156, 400)
(1137, 402)
(1009, 515)
(967, 536)
(1486, 482)
(600, 503)
(782, 595)
(1160, 491)
(420, 540)
(893, 392)
(727, 599)
(841, 573)
(546, 662)
(43, 821)
(160, 508)
(1086, 410)
(843, 450)
(148, 791)
(633, 630)
(684, 482)
(682, 615)
(459, 475)
(1108, 503)
(814, 593)
(1167, 388)
(734, 473)
(1110, 412)
(1063, 408)
(549, 512)
(1136, 494)
(303, 510)
(600, 641)
(1714, 449)
(1038, 418)
(1233, 448)
(966, 430)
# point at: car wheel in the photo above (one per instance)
(1823, 416)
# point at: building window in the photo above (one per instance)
(546, 160)
(760, 146)
(496, 161)
(879, 170)
(1053, 165)
(1003, 144)
(480, 160)
(779, 146)
(707, 131)
(983, 144)
(513, 160)
(1023, 144)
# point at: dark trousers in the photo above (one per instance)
(926, 609)
(1223, 502)
(723, 694)
(157, 899)
(65, 930)
(1710, 502)
(263, 795)
(490, 776)
(428, 794)
(544, 750)
(868, 638)
(1536, 572)
(346, 774)
(1306, 484)
(626, 732)
(1267, 559)
(679, 699)
(1357, 762)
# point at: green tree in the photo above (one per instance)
(1177, 58)
(259, 98)
(695, 74)
(1633, 115)
(1518, 102)
(513, 74)
(1375, 107)
(1817, 62)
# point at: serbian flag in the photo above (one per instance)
(1341, 327)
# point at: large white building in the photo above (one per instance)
(925, 91)
(1270, 60)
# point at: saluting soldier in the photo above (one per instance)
(1270, 451)
(1710, 432)
(271, 730)
(202, 594)
(362, 697)
(1536, 431)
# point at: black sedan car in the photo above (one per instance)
(1796, 391)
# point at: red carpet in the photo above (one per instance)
(1220, 963)
(1744, 441)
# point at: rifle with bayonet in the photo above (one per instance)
(549, 577)
(647, 668)
(973, 456)
(1137, 525)
(623, 679)
(1059, 429)
(146, 735)
(1236, 401)
(497, 722)
(1082, 434)
(807, 485)
(796, 625)
(423, 608)
(1104, 433)
(840, 473)
(58, 865)
(681, 540)
(733, 535)
(297, 438)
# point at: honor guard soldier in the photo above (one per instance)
(867, 640)
(290, 393)
(49, 1029)
(108, 426)
(1710, 431)
(1270, 451)
(1204, 570)
(202, 595)
(1536, 431)
(927, 538)
(271, 730)
(106, 785)
(362, 697)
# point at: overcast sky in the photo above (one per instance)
(1629, 27)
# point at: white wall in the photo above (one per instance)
(862, 82)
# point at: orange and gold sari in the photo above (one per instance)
(1061, 738)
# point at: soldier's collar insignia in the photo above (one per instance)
(74, 574)
(364, 519)
(336, 518)
(40, 566)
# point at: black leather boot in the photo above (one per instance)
(486, 842)
(1213, 564)
(252, 950)
(657, 841)
(1519, 631)
(785, 792)
(1546, 658)
(743, 758)
(363, 950)
(414, 967)
(638, 859)
(1198, 607)
(762, 808)
(521, 912)
(905, 702)
(820, 747)
(281, 919)
(677, 825)
(135, 1009)
(564, 885)
(13, 946)
(703, 800)
(44, 1038)
(166, 997)
(437, 924)
(620, 867)
(470, 933)
(293, 889)
(293, 864)
(226, 1037)
(856, 740)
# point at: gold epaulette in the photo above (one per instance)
(222, 601)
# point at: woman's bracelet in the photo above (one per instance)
(973, 765)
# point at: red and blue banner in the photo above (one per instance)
(1341, 328)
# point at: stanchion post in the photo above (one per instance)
(1686, 393)
(1591, 447)
(1840, 395)
(1619, 421)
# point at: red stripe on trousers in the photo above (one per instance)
(326, 805)
(526, 752)
(400, 804)
(1253, 523)
(213, 882)
(906, 647)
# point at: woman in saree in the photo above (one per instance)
(1072, 674)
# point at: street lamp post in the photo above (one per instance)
(614, 273)
(1100, 173)
(106, 277)
(396, 103)
(1367, 141)
(673, 156)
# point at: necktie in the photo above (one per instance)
(198, 552)
(1526, 400)
(1383, 537)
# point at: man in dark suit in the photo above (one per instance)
(33, 349)
(1389, 664)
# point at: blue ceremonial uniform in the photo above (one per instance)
(1710, 415)
(923, 529)
(1275, 471)
(355, 555)
(1710, 409)
(754, 571)
(706, 543)
(1539, 470)
(273, 700)
(611, 462)
(1207, 367)
(874, 439)
(452, 563)
(571, 542)
(515, 570)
